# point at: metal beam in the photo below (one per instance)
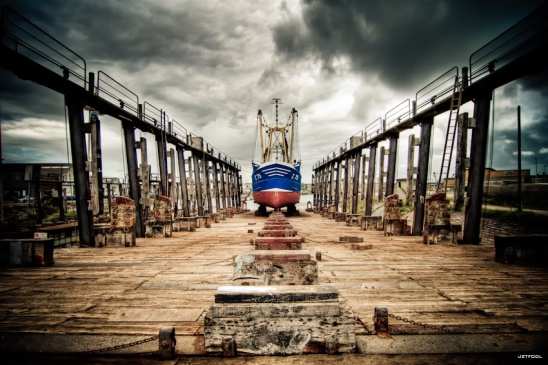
(478, 153)
(370, 180)
(422, 175)
(337, 185)
(410, 168)
(79, 170)
(134, 188)
(392, 156)
(205, 164)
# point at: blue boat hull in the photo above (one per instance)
(276, 184)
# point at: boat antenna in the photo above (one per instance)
(277, 103)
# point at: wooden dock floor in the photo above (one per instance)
(436, 290)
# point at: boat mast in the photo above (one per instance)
(276, 103)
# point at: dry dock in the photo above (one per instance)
(443, 298)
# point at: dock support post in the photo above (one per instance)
(330, 198)
(162, 162)
(240, 187)
(337, 186)
(173, 181)
(370, 180)
(314, 195)
(410, 168)
(391, 172)
(422, 175)
(356, 182)
(345, 187)
(205, 161)
(380, 193)
(324, 186)
(460, 161)
(81, 175)
(216, 186)
(224, 201)
(363, 184)
(478, 153)
(134, 188)
(97, 162)
(182, 181)
(197, 184)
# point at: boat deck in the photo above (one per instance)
(94, 297)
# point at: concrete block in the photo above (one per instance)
(272, 267)
(277, 233)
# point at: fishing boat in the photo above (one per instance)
(276, 176)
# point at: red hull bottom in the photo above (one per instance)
(276, 199)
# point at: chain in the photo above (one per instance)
(419, 324)
(121, 346)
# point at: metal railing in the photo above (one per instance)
(528, 34)
(397, 114)
(436, 89)
(113, 91)
(28, 39)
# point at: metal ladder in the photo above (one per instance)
(456, 99)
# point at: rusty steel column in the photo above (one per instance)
(162, 162)
(320, 187)
(478, 153)
(81, 175)
(229, 186)
(183, 181)
(410, 168)
(198, 184)
(324, 187)
(380, 196)
(392, 156)
(356, 182)
(337, 187)
(422, 175)
(216, 186)
(134, 188)
(460, 161)
(314, 200)
(345, 187)
(370, 180)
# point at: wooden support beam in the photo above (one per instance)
(198, 184)
(337, 186)
(410, 168)
(478, 153)
(422, 175)
(370, 180)
(162, 162)
(229, 186)
(364, 181)
(205, 164)
(380, 192)
(172, 181)
(460, 161)
(330, 189)
(81, 175)
(356, 182)
(216, 186)
(224, 200)
(345, 187)
(134, 188)
(144, 172)
(36, 192)
(392, 157)
(314, 195)
(97, 164)
(183, 181)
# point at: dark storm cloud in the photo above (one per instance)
(404, 42)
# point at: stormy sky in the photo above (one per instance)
(212, 64)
